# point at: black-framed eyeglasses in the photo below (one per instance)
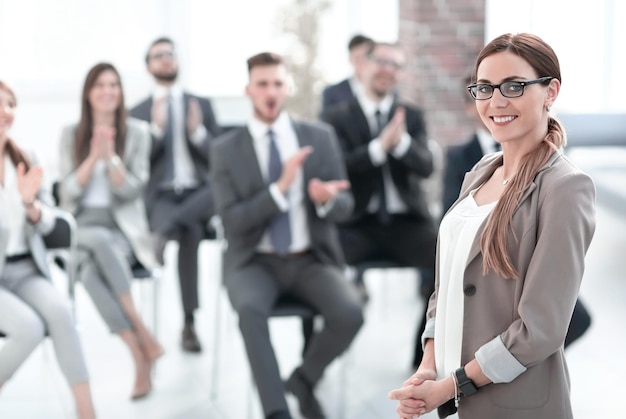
(385, 62)
(163, 54)
(484, 91)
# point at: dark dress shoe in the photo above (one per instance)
(281, 414)
(300, 387)
(190, 342)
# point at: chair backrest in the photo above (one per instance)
(61, 243)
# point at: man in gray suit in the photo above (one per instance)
(178, 196)
(280, 186)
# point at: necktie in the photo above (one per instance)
(168, 144)
(383, 214)
(280, 228)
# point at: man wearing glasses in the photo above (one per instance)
(384, 145)
(178, 195)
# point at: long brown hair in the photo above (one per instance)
(494, 240)
(84, 131)
(16, 154)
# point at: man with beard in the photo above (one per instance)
(385, 149)
(178, 196)
(280, 187)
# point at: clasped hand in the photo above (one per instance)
(419, 394)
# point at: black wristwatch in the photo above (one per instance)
(466, 385)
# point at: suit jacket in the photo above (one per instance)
(336, 94)
(353, 131)
(517, 326)
(127, 203)
(199, 153)
(244, 202)
(459, 160)
(33, 232)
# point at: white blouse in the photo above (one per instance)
(456, 235)
(98, 189)
(12, 211)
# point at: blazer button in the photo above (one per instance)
(469, 290)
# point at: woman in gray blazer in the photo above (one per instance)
(104, 169)
(510, 254)
(29, 303)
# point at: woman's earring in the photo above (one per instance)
(548, 108)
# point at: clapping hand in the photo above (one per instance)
(28, 183)
(102, 142)
(291, 167)
(194, 116)
(321, 192)
(390, 135)
(159, 112)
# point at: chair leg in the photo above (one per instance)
(216, 342)
(307, 332)
(155, 303)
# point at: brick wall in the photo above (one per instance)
(442, 38)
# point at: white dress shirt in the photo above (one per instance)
(184, 171)
(98, 191)
(294, 202)
(378, 156)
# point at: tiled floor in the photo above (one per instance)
(354, 387)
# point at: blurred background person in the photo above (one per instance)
(462, 157)
(386, 153)
(347, 89)
(29, 303)
(104, 168)
(178, 196)
(280, 187)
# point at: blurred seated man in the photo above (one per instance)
(280, 187)
(386, 153)
(347, 89)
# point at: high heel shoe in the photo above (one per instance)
(144, 376)
(142, 394)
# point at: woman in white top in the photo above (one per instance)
(104, 169)
(29, 303)
(510, 255)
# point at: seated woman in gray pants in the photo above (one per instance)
(104, 168)
(29, 303)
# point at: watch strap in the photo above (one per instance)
(466, 385)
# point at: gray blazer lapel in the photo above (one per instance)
(478, 177)
(303, 141)
(474, 180)
(245, 152)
